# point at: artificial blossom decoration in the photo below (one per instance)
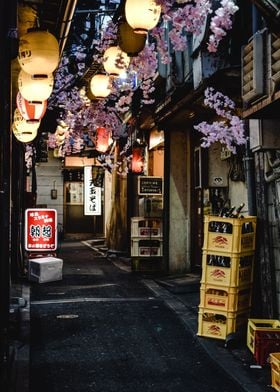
(230, 131)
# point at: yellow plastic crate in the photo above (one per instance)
(219, 324)
(228, 299)
(275, 370)
(241, 239)
(265, 325)
(235, 270)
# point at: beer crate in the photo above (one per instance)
(264, 325)
(146, 247)
(232, 235)
(146, 227)
(219, 324)
(266, 343)
(228, 299)
(275, 370)
(227, 269)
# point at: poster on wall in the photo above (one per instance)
(40, 229)
(92, 194)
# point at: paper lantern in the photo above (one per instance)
(24, 131)
(31, 111)
(129, 41)
(100, 86)
(102, 139)
(142, 15)
(115, 61)
(137, 163)
(35, 87)
(38, 52)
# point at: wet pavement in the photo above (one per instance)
(104, 328)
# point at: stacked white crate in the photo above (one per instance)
(146, 239)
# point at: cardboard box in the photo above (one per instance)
(45, 269)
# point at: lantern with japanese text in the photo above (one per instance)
(31, 111)
(102, 139)
(100, 86)
(35, 87)
(115, 61)
(23, 131)
(38, 52)
(138, 159)
(142, 15)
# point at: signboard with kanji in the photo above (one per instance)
(40, 229)
(92, 194)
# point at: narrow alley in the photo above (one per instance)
(102, 329)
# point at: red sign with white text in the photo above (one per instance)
(40, 229)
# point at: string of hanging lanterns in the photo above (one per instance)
(38, 57)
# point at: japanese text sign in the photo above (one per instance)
(40, 229)
(92, 194)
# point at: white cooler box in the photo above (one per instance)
(45, 269)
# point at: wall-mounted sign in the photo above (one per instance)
(150, 185)
(40, 229)
(92, 194)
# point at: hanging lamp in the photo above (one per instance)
(137, 162)
(100, 86)
(102, 139)
(130, 42)
(115, 61)
(142, 15)
(31, 111)
(38, 52)
(35, 87)
(24, 131)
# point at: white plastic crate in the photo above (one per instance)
(146, 227)
(45, 269)
(146, 247)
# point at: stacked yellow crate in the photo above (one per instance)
(146, 242)
(227, 275)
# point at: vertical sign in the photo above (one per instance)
(40, 229)
(92, 194)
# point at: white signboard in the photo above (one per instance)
(92, 194)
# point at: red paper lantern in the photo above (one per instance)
(31, 111)
(137, 163)
(102, 139)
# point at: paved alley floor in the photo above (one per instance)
(101, 329)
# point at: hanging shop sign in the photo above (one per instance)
(150, 185)
(40, 229)
(92, 194)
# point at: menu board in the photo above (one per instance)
(150, 185)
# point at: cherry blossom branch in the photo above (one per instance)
(229, 131)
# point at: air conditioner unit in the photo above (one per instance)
(264, 134)
(275, 59)
(253, 68)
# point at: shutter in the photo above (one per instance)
(253, 68)
(275, 58)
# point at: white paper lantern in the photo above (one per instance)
(142, 15)
(24, 131)
(100, 86)
(38, 52)
(35, 87)
(115, 61)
